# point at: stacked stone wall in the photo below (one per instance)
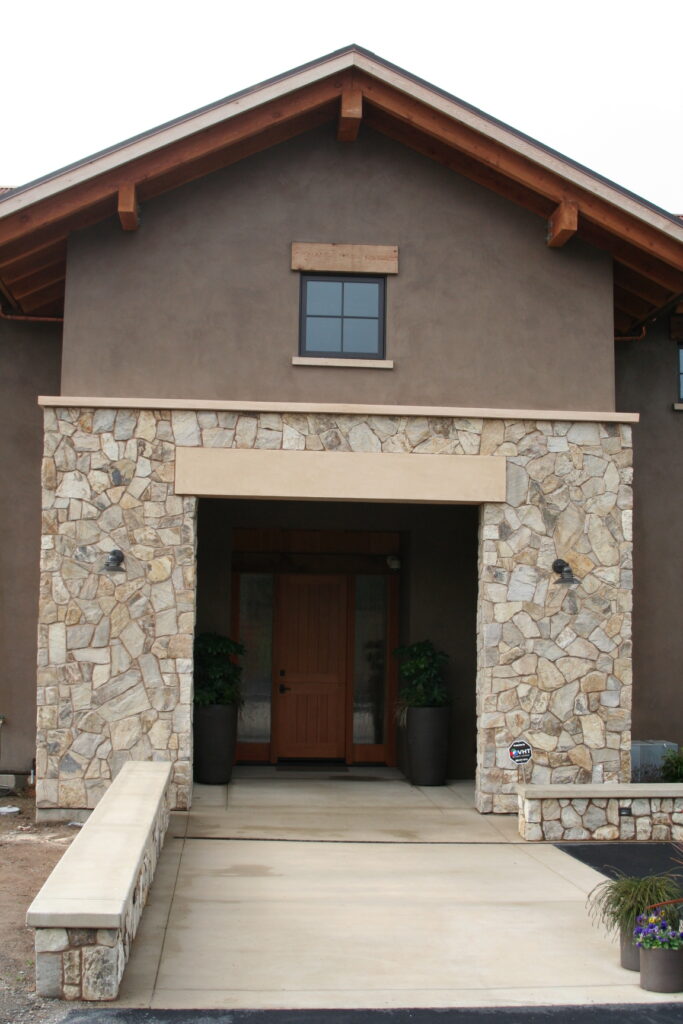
(598, 817)
(88, 963)
(115, 668)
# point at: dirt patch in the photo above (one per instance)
(28, 853)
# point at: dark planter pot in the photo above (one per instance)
(661, 970)
(630, 953)
(215, 737)
(428, 745)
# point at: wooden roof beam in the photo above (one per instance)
(563, 224)
(104, 189)
(26, 286)
(351, 113)
(630, 304)
(54, 293)
(28, 263)
(622, 225)
(127, 207)
(643, 287)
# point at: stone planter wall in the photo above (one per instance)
(87, 913)
(115, 669)
(597, 813)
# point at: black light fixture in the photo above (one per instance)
(114, 561)
(564, 572)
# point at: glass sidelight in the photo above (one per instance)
(370, 657)
(256, 633)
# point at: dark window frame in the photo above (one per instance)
(343, 278)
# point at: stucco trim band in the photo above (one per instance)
(351, 409)
(343, 476)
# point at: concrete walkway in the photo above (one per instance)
(290, 890)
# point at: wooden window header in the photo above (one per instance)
(338, 258)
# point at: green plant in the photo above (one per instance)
(422, 684)
(653, 931)
(217, 674)
(672, 766)
(618, 902)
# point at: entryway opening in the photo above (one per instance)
(321, 594)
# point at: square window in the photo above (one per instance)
(342, 316)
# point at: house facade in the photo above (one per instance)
(335, 364)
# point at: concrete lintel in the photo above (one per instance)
(339, 476)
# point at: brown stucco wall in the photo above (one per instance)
(200, 301)
(29, 366)
(647, 382)
(438, 582)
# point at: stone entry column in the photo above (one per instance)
(554, 663)
(115, 649)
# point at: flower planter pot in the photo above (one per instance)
(630, 953)
(215, 737)
(661, 970)
(428, 745)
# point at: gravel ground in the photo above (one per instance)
(28, 852)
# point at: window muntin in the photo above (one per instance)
(342, 316)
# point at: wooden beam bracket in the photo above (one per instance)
(562, 223)
(350, 114)
(128, 210)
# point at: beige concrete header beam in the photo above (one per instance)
(339, 476)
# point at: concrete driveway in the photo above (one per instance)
(356, 890)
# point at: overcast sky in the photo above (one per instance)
(600, 81)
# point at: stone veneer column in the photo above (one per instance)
(115, 651)
(554, 663)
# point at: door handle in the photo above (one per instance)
(284, 689)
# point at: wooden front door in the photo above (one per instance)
(309, 667)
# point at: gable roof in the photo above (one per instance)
(349, 86)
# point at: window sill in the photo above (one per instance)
(678, 406)
(359, 364)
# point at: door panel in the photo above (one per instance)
(310, 667)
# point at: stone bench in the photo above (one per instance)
(88, 910)
(602, 811)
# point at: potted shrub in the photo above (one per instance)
(672, 766)
(423, 708)
(618, 902)
(658, 936)
(217, 700)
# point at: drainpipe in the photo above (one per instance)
(632, 337)
(32, 319)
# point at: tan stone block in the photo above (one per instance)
(159, 569)
(180, 646)
(606, 832)
(549, 676)
(542, 740)
(593, 729)
(72, 793)
(594, 682)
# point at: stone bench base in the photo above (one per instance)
(626, 811)
(88, 910)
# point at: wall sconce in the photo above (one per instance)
(564, 572)
(114, 561)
